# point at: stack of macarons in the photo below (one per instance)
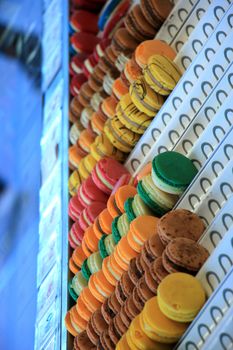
(119, 250)
(165, 317)
(97, 102)
(140, 282)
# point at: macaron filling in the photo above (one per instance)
(102, 248)
(102, 179)
(154, 80)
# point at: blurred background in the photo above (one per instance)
(20, 133)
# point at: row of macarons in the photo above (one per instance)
(162, 321)
(161, 183)
(138, 284)
(114, 265)
(134, 113)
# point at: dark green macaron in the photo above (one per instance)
(172, 172)
(72, 293)
(157, 210)
(115, 233)
(102, 248)
(129, 209)
(85, 270)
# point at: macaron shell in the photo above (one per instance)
(111, 207)
(73, 268)
(105, 220)
(93, 289)
(91, 239)
(84, 42)
(125, 251)
(78, 256)
(69, 326)
(149, 48)
(82, 310)
(115, 138)
(90, 301)
(122, 344)
(140, 339)
(122, 194)
(111, 279)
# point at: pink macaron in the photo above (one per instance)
(84, 42)
(125, 179)
(100, 48)
(84, 21)
(76, 82)
(90, 213)
(89, 65)
(88, 193)
(76, 234)
(75, 208)
(106, 173)
(76, 63)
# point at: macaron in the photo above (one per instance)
(125, 251)
(123, 42)
(173, 181)
(138, 26)
(103, 286)
(75, 156)
(162, 74)
(75, 208)
(158, 201)
(70, 328)
(109, 106)
(106, 245)
(149, 48)
(131, 117)
(89, 162)
(100, 48)
(180, 297)
(107, 312)
(75, 109)
(82, 342)
(123, 344)
(85, 140)
(106, 173)
(97, 123)
(184, 255)
(90, 239)
(133, 271)
(78, 256)
(137, 339)
(92, 335)
(88, 193)
(102, 148)
(76, 233)
(78, 283)
(84, 21)
(86, 116)
(89, 214)
(97, 321)
(97, 99)
(157, 326)
(180, 223)
(106, 12)
(91, 265)
(119, 89)
(156, 11)
(76, 62)
(76, 82)
(139, 207)
(132, 70)
(73, 267)
(84, 42)
(120, 227)
(75, 132)
(121, 195)
(113, 303)
(108, 272)
(145, 98)
(141, 229)
(105, 341)
(90, 301)
(120, 136)
(74, 182)
(152, 249)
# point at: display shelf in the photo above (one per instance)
(185, 100)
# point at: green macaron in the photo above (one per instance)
(129, 210)
(109, 244)
(158, 201)
(72, 293)
(94, 262)
(172, 172)
(139, 207)
(115, 233)
(78, 283)
(102, 248)
(85, 270)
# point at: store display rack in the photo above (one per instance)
(196, 120)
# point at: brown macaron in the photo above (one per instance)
(143, 290)
(113, 334)
(92, 335)
(133, 272)
(105, 341)
(123, 42)
(180, 223)
(120, 295)
(94, 83)
(184, 255)
(107, 313)
(152, 249)
(137, 300)
(126, 284)
(82, 342)
(76, 107)
(124, 317)
(158, 271)
(86, 91)
(150, 281)
(156, 11)
(120, 327)
(98, 322)
(131, 308)
(138, 26)
(113, 303)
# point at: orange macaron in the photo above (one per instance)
(140, 230)
(80, 322)
(109, 276)
(94, 290)
(91, 239)
(111, 207)
(146, 170)
(105, 221)
(119, 260)
(109, 106)
(97, 123)
(115, 268)
(102, 284)
(69, 325)
(90, 301)
(122, 194)
(79, 256)
(119, 89)
(73, 267)
(82, 309)
(85, 248)
(124, 250)
(86, 138)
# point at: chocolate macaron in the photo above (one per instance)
(123, 42)
(97, 321)
(134, 273)
(180, 223)
(82, 342)
(184, 255)
(156, 11)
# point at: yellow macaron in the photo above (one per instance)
(102, 147)
(159, 327)
(89, 162)
(162, 74)
(74, 182)
(145, 99)
(181, 296)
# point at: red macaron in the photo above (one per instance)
(76, 82)
(76, 235)
(88, 193)
(89, 214)
(75, 208)
(84, 21)
(84, 42)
